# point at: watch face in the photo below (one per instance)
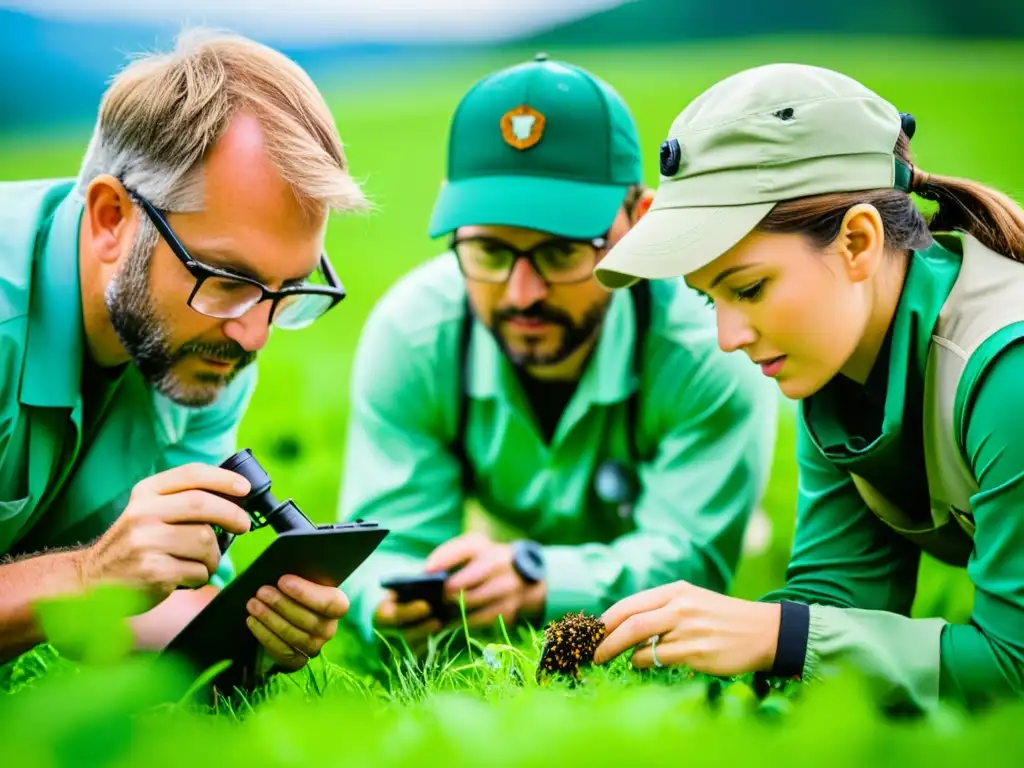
(529, 561)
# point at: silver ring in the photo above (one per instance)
(654, 650)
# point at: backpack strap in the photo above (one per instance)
(458, 446)
(641, 295)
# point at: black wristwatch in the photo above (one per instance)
(528, 560)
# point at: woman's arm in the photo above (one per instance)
(857, 576)
(984, 659)
(858, 579)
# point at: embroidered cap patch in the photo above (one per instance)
(522, 127)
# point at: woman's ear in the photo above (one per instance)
(642, 205)
(861, 242)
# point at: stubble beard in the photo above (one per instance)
(147, 339)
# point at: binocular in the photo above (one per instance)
(324, 554)
(260, 503)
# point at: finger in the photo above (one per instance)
(673, 648)
(501, 586)
(384, 616)
(486, 616)
(195, 476)
(189, 541)
(202, 507)
(412, 613)
(323, 600)
(391, 613)
(165, 573)
(297, 615)
(279, 651)
(641, 602)
(292, 636)
(483, 567)
(634, 630)
(191, 573)
(643, 657)
(455, 552)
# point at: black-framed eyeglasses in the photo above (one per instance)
(558, 261)
(225, 295)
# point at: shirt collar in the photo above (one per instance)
(53, 349)
(929, 279)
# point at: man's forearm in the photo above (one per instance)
(22, 583)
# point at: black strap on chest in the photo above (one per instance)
(641, 295)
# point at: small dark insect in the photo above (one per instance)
(784, 114)
(569, 643)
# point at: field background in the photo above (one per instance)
(966, 97)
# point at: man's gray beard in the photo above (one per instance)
(146, 337)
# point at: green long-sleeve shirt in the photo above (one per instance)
(858, 575)
(74, 440)
(706, 428)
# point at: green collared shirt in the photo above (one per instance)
(860, 577)
(706, 431)
(74, 439)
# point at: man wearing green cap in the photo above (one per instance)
(786, 198)
(610, 446)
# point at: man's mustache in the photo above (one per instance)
(225, 352)
(538, 311)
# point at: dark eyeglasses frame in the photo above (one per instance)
(633, 195)
(203, 272)
(597, 243)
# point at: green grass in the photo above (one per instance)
(353, 708)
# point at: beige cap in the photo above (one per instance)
(772, 133)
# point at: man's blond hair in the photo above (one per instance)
(163, 112)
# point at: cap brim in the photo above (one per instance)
(565, 208)
(671, 242)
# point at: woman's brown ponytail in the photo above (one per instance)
(987, 214)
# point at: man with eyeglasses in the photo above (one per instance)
(606, 443)
(133, 301)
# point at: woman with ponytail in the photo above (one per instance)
(786, 199)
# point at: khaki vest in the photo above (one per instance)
(988, 295)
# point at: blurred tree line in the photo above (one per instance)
(679, 20)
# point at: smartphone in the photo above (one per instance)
(426, 586)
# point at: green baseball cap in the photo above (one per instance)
(543, 145)
(764, 135)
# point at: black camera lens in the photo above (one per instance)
(260, 503)
(244, 463)
(259, 500)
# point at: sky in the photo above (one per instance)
(323, 21)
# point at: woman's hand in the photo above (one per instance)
(697, 628)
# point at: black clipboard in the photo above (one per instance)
(327, 554)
